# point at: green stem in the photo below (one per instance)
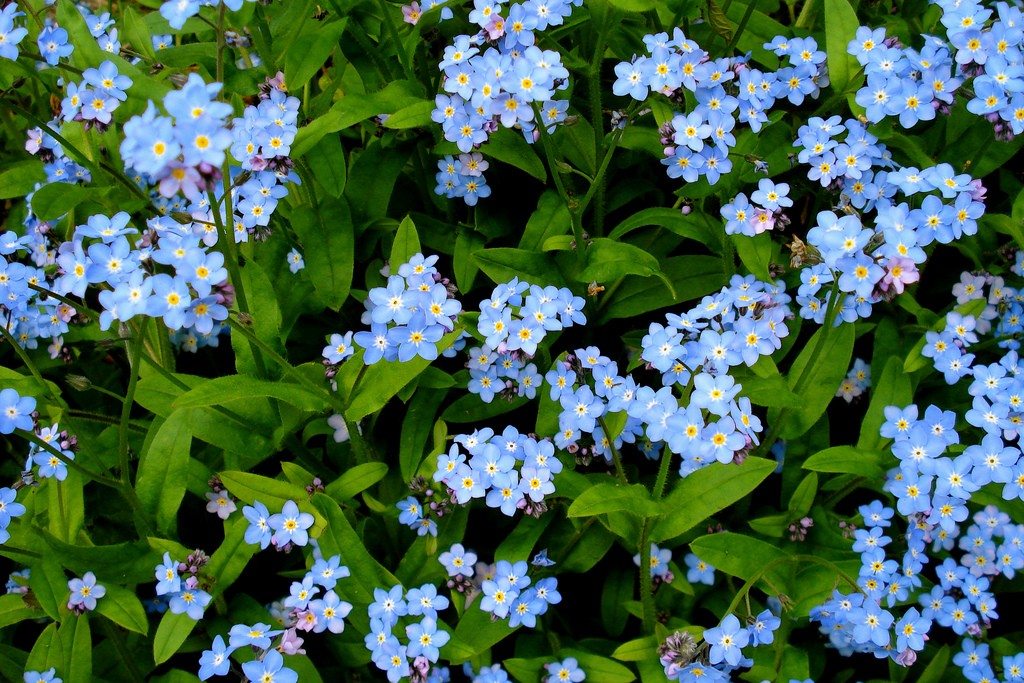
(574, 213)
(806, 15)
(221, 43)
(752, 4)
(646, 589)
(659, 483)
(835, 300)
(620, 471)
(78, 306)
(135, 352)
(226, 237)
(389, 25)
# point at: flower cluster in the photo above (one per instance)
(407, 317)
(743, 218)
(864, 264)
(856, 382)
(727, 91)
(510, 83)
(94, 99)
(915, 84)
(178, 584)
(303, 610)
(936, 479)
(738, 325)
(510, 471)
(49, 463)
(182, 151)
(722, 651)
(424, 638)
(284, 530)
(507, 594)
(513, 325)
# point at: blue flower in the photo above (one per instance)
(726, 641)
(259, 530)
(270, 669)
(290, 525)
(15, 411)
(215, 661)
(85, 592)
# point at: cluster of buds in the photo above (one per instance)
(678, 650)
(798, 530)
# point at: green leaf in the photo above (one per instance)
(52, 201)
(340, 537)
(170, 634)
(302, 62)
(14, 609)
(161, 478)
(841, 26)
(803, 498)
(819, 383)
(617, 591)
(691, 278)
(122, 607)
(46, 652)
(634, 5)
(382, 381)
(509, 146)
(464, 267)
(708, 490)
(405, 246)
(550, 218)
(891, 389)
(18, 179)
(419, 418)
(502, 264)
(476, 633)
(327, 161)
(755, 253)
(608, 260)
(76, 642)
(413, 116)
(636, 650)
(614, 497)
(355, 480)
(693, 225)
(231, 388)
(848, 460)
(352, 109)
(49, 586)
(328, 240)
(266, 319)
(371, 180)
(933, 672)
(136, 33)
(743, 557)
